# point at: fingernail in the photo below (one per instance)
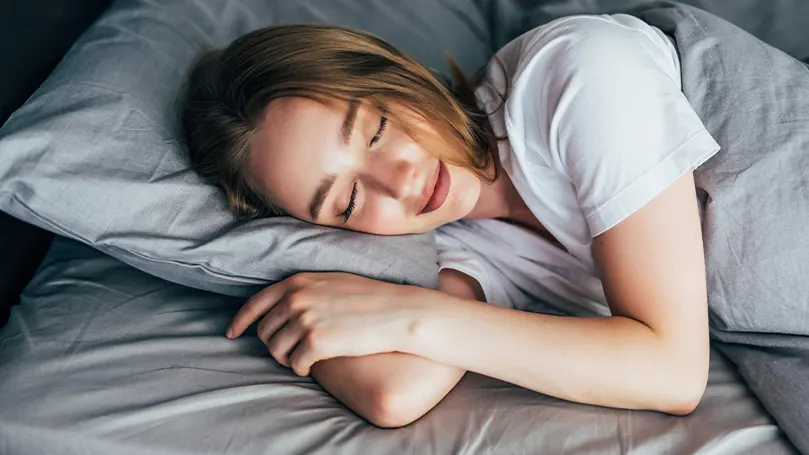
(229, 333)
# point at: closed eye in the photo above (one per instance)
(383, 123)
(351, 203)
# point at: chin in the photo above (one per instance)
(462, 197)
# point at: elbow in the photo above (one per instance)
(682, 406)
(393, 408)
(682, 378)
(682, 398)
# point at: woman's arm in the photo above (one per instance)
(394, 389)
(389, 390)
(651, 354)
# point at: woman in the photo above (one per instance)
(575, 158)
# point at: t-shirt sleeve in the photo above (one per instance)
(608, 112)
(453, 253)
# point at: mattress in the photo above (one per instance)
(100, 358)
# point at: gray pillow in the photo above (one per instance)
(93, 155)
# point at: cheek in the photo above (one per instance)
(384, 216)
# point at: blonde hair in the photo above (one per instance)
(229, 89)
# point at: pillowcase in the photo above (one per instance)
(94, 155)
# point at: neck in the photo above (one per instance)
(498, 199)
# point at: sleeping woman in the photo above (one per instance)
(563, 174)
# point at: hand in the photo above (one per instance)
(311, 317)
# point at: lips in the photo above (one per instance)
(439, 189)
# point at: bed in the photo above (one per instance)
(101, 357)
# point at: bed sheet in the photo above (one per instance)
(101, 358)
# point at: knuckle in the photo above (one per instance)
(300, 279)
(265, 339)
(262, 329)
(275, 352)
(251, 303)
(307, 319)
(295, 368)
(296, 302)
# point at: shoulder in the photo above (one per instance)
(572, 73)
(534, 69)
(588, 44)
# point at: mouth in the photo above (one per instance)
(437, 190)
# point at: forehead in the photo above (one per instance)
(295, 146)
(294, 112)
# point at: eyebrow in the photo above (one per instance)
(348, 123)
(320, 195)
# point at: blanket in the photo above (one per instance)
(754, 196)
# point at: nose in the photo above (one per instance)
(395, 178)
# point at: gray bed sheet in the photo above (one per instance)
(101, 358)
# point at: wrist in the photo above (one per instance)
(431, 311)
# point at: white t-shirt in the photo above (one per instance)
(597, 126)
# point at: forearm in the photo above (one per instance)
(612, 361)
(394, 389)
(388, 390)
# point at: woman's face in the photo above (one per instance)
(346, 165)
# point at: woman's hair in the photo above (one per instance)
(229, 90)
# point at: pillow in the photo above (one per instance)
(94, 155)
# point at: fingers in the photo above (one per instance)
(283, 328)
(282, 342)
(272, 322)
(309, 350)
(256, 306)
